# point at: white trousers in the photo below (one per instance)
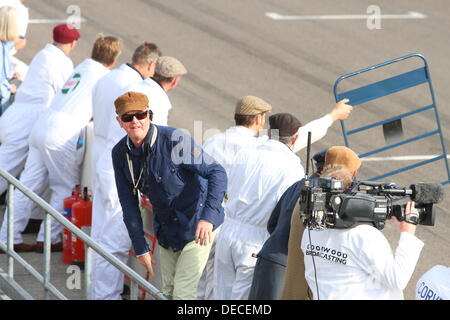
(53, 162)
(234, 264)
(15, 127)
(34, 177)
(108, 229)
(14, 144)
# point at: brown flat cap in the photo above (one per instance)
(340, 155)
(169, 67)
(286, 124)
(250, 106)
(131, 101)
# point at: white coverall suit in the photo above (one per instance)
(48, 72)
(108, 227)
(223, 147)
(358, 263)
(55, 153)
(258, 178)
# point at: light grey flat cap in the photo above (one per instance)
(251, 105)
(169, 67)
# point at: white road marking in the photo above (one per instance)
(409, 15)
(51, 21)
(402, 158)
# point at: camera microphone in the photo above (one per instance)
(427, 192)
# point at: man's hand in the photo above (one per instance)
(203, 234)
(147, 261)
(404, 226)
(341, 111)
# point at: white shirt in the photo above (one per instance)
(106, 91)
(434, 284)
(358, 263)
(23, 14)
(224, 146)
(258, 178)
(48, 71)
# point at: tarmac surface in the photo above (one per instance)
(233, 48)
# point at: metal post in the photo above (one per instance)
(47, 252)
(87, 272)
(10, 230)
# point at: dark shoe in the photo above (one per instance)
(56, 247)
(32, 226)
(22, 247)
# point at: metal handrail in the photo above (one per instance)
(135, 278)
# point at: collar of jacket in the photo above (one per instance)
(151, 137)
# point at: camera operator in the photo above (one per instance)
(273, 261)
(358, 263)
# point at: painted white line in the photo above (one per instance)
(52, 21)
(402, 158)
(409, 15)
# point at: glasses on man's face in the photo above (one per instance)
(129, 116)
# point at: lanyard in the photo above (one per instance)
(130, 167)
(130, 163)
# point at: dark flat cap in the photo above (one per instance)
(286, 124)
(319, 159)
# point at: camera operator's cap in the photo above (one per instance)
(286, 124)
(169, 67)
(131, 101)
(340, 155)
(251, 106)
(65, 33)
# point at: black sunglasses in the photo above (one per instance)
(139, 115)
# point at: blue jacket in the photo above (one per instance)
(184, 185)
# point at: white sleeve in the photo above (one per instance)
(392, 270)
(318, 128)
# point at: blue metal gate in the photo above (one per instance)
(386, 87)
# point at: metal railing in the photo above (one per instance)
(135, 279)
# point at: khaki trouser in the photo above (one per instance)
(295, 285)
(181, 270)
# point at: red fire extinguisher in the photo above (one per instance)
(82, 218)
(67, 235)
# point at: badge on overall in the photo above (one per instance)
(71, 84)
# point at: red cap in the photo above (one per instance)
(65, 33)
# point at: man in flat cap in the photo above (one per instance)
(108, 228)
(250, 117)
(184, 186)
(168, 72)
(285, 233)
(258, 178)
